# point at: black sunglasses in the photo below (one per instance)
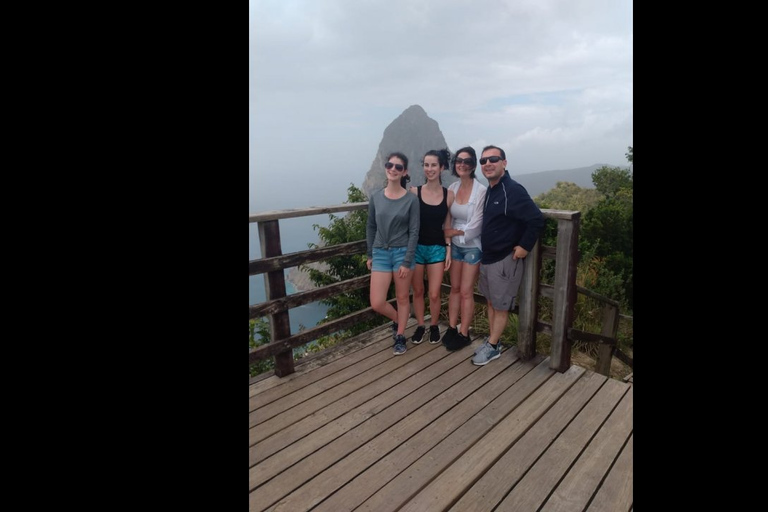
(390, 165)
(493, 159)
(468, 161)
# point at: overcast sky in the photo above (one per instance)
(549, 81)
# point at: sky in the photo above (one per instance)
(548, 81)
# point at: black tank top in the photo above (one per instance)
(432, 220)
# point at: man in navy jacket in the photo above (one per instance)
(512, 223)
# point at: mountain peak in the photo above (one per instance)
(412, 133)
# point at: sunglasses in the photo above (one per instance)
(390, 165)
(493, 159)
(468, 161)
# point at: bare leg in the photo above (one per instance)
(418, 293)
(435, 273)
(455, 303)
(380, 282)
(468, 279)
(402, 292)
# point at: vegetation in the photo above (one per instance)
(259, 326)
(605, 266)
(606, 256)
(349, 228)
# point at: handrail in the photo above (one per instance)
(563, 292)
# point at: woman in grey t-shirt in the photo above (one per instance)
(392, 234)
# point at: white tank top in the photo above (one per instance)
(460, 213)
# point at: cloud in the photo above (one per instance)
(548, 80)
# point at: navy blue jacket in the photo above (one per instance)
(510, 218)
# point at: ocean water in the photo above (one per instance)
(307, 315)
(295, 234)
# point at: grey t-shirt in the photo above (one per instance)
(393, 223)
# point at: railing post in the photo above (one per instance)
(528, 304)
(274, 284)
(610, 329)
(565, 294)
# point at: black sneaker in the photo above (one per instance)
(434, 334)
(449, 337)
(394, 330)
(418, 335)
(459, 342)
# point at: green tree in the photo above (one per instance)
(258, 334)
(610, 180)
(349, 228)
(569, 196)
(606, 234)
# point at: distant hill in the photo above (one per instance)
(535, 183)
(414, 133)
(539, 182)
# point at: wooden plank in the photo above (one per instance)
(279, 387)
(299, 299)
(289, 342)
(317, 359)
(294, 259)
(617, 491)
(529, 304)
(610, 328)
(624, 358)
(325, 392)
(561, 214)
(274, 285)
(367, 390)
(483, 449)
(583, 479)
(304, 212)
(290, 213)
(492, 486)
(334, 357)
(271, 402)
(565, 292)
(534, 488)
(591, 337)
(407, 483)
(359, 425)
(363, 471)
(291, 408)
(599, 297)
(260, 386)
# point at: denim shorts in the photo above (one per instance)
(388, 260)
(471, 255)
(428, 254)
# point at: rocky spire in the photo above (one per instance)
(413, 133)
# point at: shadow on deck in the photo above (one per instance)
(362, 429)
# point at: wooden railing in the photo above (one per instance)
(563, 292)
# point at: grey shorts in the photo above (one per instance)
(500, 281)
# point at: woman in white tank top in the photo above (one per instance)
(466, 249)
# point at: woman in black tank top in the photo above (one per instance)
(433, 254)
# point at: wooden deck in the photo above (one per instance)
(430, 431)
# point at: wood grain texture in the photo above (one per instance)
(428, 430)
